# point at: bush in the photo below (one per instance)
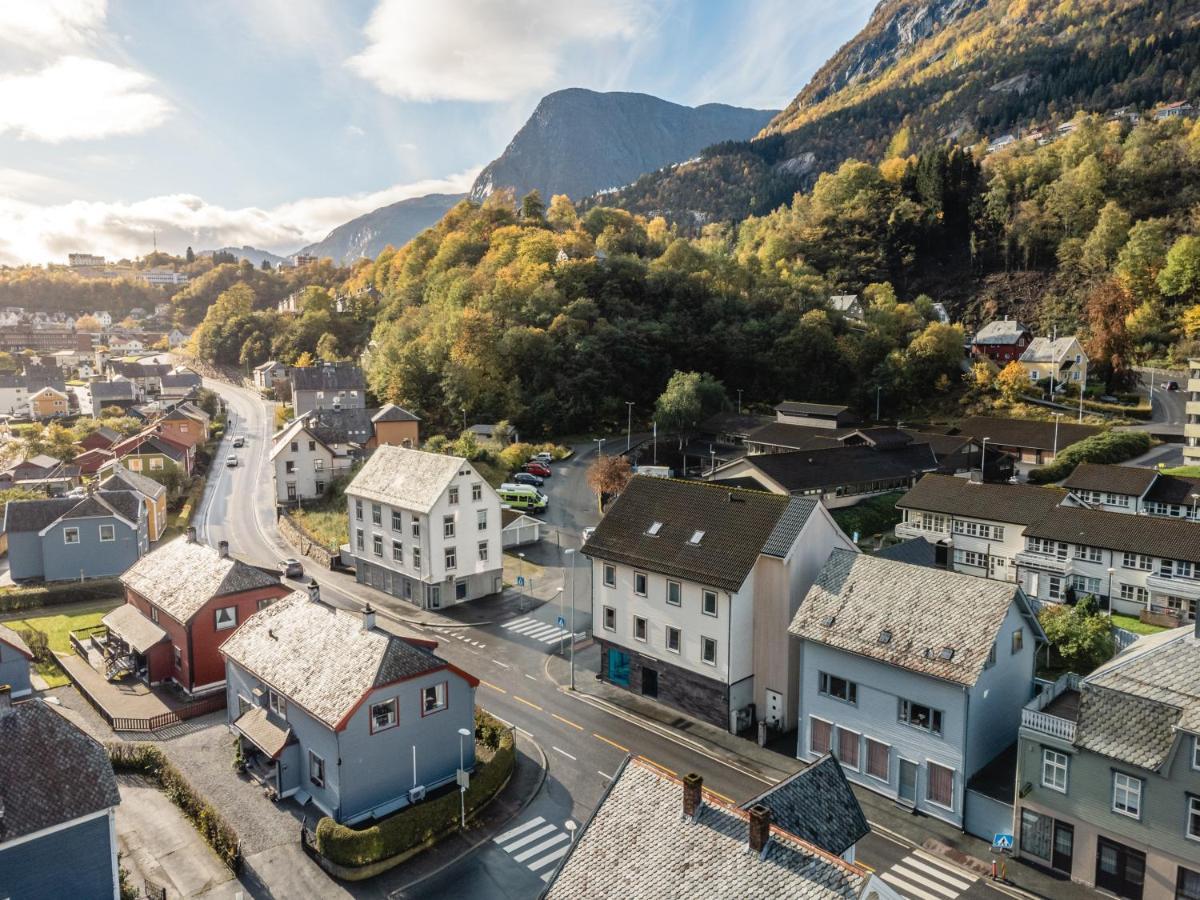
(875, 515)
(1107, 447)
(425, 822)
(1079, 635)
(38, 643)
(20, 598)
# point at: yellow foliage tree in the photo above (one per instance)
(1011, 381)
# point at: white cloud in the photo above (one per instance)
(480, 50)
(50, 25)
(78, 98)
(47, 233)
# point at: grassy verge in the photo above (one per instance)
(57, 630)
(325, 521)
(1184, 471)
(1134, 624)
(875, 515)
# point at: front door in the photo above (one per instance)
(1064, 846)
(650, 682)
(907, 793)
(1120, 870)
(435, 596)
(291, 490)
(618, 667)
(460, 590)
(775, 709)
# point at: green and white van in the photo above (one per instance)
(522, 496)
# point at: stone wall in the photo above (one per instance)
(304, 544)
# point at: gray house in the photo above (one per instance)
(70, 538)
(1109, 772)
(15, 657)
(332, 708)
(327, 386)
(58, 835)
(915, 679)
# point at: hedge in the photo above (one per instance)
(1107, 447)
(150, 761)
(20, 598)
(426, 822)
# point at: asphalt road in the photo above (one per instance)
(583, 742)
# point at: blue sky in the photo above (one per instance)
(270, 121)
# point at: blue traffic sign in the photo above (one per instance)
(520, 581)
(1002, 841)
(562, 623)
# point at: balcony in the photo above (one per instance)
(908, 530)
(1174, 587)
(1055, 710)
(1044, 563)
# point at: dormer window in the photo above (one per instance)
(654, 529)
(946, 654)
(696, 538)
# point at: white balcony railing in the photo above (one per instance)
(1048, 724)
(1174, 587)
(1040, 561)
(907, 530)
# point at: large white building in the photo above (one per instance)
(425, 527)
(1191, 422)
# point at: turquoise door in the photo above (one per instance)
(618, 667)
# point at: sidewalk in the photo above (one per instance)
(885, 816)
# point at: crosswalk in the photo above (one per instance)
(459, 636)
(536, 630)
(536, 844)
(923, 876)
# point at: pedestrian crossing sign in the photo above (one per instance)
(1002, 842)
(520, 581)
(562, 623)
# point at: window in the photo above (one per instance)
(979, 530)
(610, 619)
(1134, 594)
(377, 544)
(384, 715)
(1054, 587)
(451, 558)
(1054, 770)
(277, 703)
(416, 557)
(376, 514)
(453, 495)
(1195, 748)
(295, 446)
(433, 698)
(416, 528)
(482, 547)
(477, 492)
(481, 520)
(708, 651)
(610, 576)
(1187, 885)
(397, 552)
(320, 486)
(639, 583)
(156, 464)
(289, 468)
(1018, 640)
(1036, 831)
(838, 688)
(674, 593)
(847, 752)
(154, 614)
(920, 716)
(639, 629)
(1046, 547)
(318, 465)
(312, 446)
(358, 510)
(1127, 795)
(448, 526)
(226, 618)
(1176, 568)
(108, 533)
(820, 736)
(1137, 561)
(878, 759)
(1193, 818)
(673, 639)
(177, 656)
(397, 520)
(991, 658)
(70, 535)
(1085, 584)
(1090, 554)
(933, 522)
(970, 558)
(358, 539)
(940, 786)
(709, 603)
(316, 769)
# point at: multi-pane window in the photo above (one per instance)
(1036, 834)
(1054, 770)
(433, 698)
(610, 619)
(1187, 885)
(1127, 795)
(377, 544)
(639, 583)
(70, 535)
(477, 491)
(673, 639)
(453, 495)
(316, 769)
(397, 520)
(979, 530)
(416, 527)
(708, 651)
(1134, 594)
(878, 759)
(838, 688)
(1193, 818)
(376, 514)
(358, 510)
(1046, 547)
(108, 533)
(1089, 554)
(1176, 568)
(277, 703)
(1137, 561)
(709, 603)
(933, 522)
(483, 551)
(416, 557)
(918, 715)
(318, 465)
(848, 744)
(384, 715)
(451, 558)
(226, 618)
(639, 628)
(820, 738)
(1085, 584)
(674, 593)
(358, 539)
(1195, 748)
(610, 576)
(448, 526)
(481, 520)
(940, 785)
(397, 552)
(970, 558)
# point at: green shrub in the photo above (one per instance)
(1079, 636)
(20, 598)
(38, 643)
(1107, 447)
(874, 515)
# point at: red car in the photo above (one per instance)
(537, 468)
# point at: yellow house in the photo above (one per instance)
(1062, 360)
(115, 477)
(48, 404)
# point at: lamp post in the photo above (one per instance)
(878, 390)
(562, 614)
(1111, 570)
(521, 577)
(1057, 417)
(739, 401)
(983, 461)
(571, 566)
(599, 446)
(1195, 497)
(628, 421)
(462, 785)
(1081, 403)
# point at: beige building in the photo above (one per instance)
(1191, 427)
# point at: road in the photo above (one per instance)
(1168, 415)
(583, 742)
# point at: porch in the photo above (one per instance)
(1055, 710)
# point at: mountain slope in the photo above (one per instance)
(929, 71)
(578, 142)
(253, 254)
(395, 224)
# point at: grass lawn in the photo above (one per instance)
(57, 628)
(328, 523)
(1134, 624)
(1184, 471)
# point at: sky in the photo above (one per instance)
(269, 122)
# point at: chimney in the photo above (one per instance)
(692, 796)
(314, 591)
(368, 617)
(223, 549)
(191, 534)
(760, 828)
(5, 699)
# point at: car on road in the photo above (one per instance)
(291, 568)
(231, 460)
(522, 496)
(527, 478)
(239, 441)
(537, 468)
(1171, 386)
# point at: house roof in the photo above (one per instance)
(1001, 331)
(818, 806)
(796, 437)
(123, 504)
(390, 412)
(150, 444)
(916, 552)
(51, 772)
(1150, 535)
(1020, 504)
(802, 408)
(844, 302)
(138, 631)
(322, 659)
(1130, 480)
(736, 525)
(412, 479)
(53, 392)
(181, 380)
(269, 364)
(858, 599)
(733, 423)
(802, 470)
(1045, 350)
(14, 640)
(1173, 489)
(941, 444)
(330, 427)
(638, 845)
(255, 723)
(34, 515)
(508, 516)
(328, 377)
(1025, 432)
(181, 576)
(112, 390)
(135, 481)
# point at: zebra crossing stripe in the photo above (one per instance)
(910, 890)
(938, 872)
(914, 877)
(557, 838)
(522, 621)
(529, 838)
(528, 628)
(509, 835)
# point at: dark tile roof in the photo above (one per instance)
(1116, 479)
(341, 426)
(732, 423)
(817, 805)
(1020, 504)
(34, 515)
(1136, 730)
(785, 434)
(328, 378)
(941, 444)
(803, 470)
(1173, 489)
(14, 640)
(112, 390)
(885, 437)
(390, 412)
(119, 477)
(915, 552)
(736, 524)
(1151, 535)
(152, 444)
(181, 380)
(801, 408)
(1025, 432)
(50, 771)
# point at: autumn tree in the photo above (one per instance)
(688, 398)
(1012, 382)
(1107, 308)
(88, 323)
(607, 476)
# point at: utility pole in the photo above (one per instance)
(877, 391)
(1057, 417)
(628, 421)
(1081, 403)
(599, 446)
(739, 401)
(571, 566)
(655, 443)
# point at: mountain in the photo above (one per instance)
(253, 254)
(925, 72)
(579, 142)
(395, 224)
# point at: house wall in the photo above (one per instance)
(183, 431)
(398, 434)
(311, 462)
(91, 558)
(1000, 692)
(14, 401)
(25, 555)
(77, 860)
(702, 698)
(14, 670)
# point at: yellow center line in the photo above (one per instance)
(601, 737)
(527, 703)
(492, 686)
(567, 721)
(728, 800)
(659, 766)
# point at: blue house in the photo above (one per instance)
(71, 538)
(332, 708)
(15, 657)
(59, 796)
(914, 678)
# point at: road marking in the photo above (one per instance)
(601, 737)
(500, 664)
(542, 847)
(549, 858)
(537, 834)
(492, 686)
(567, 721)
(564, 753)
(604, 775)
(473, 643)
(659, 765)
(938, 871)
(728, 800)
(480, 646)
(530, 677)
(909, 889)
(509, 835)
(900, 870)
(527, 734)
(527, 703)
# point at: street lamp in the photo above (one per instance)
(1111, 570)
(599, 446)
(521, 577)
(462, 781)
(1057, 417)
(983, 461)
(571, 564)
(562, 615)
(628, 421)
(1195, 497)
(739, 401)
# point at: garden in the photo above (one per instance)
(48, 635)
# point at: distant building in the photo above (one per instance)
(848, 305)
(304, 259)
(1061, 360)
(163, 276)
(15, 659)
(48, 403)
(83, 260)
(1001, 341)
(270, 373)
(327, 386)
(1191, 427)
(1173, 110)
(814, 415)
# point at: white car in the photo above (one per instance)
(542, 457)
(231, 460)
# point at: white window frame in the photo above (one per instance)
(476, 492)
(482, 549)
(1196, 753)
(705, 643)
(277, 703)
(452, 499)
(451, 558)
(1127, 787)
(377, 545)
(394, 706)
(316, 769)
(232, 623)
(447, 526)
(678, 633)
(704, 598)
(678, 601)
(608, 618)
(112, 534)
(610, 576)
(1055, 769)
(644, 637)
(398, 552)
(645, 583)
(441, 698)
(68, 533)
(1193, 818)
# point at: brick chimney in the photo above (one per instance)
(368, 617)
(314, 591)
(692, 795)
(223, 549)
(760, 828)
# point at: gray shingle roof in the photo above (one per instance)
(639, 846)
(1130, 480)
(321, 658)
(328, 378)
(737, 527)
(120, 476)
(817, 805)
(1124, 727)
(915, 552)
(1020, 504)
(789, 526)
(1024, 432)
(1001, 331)
(104, 391)
(796, 437)
(50, 771)
(256, 724)
(390, 412)
(1044, 350)
(34, 515)
(181, 576)
(138, 631)
(412, 479)
(923, 610)
(1151, 535)
(802, 408)
(1173, 489)
(14, 640)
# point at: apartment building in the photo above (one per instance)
(1191, 422)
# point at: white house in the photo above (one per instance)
(425, 527)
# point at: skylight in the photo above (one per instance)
(885, 637)
(697, 537)
(828, 621)
(654, 529)
(947, 653)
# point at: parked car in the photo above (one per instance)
(543, 457)
(1171, 386)
(291, 568)
(527, 478)
(239, 441)
(231, 460)
(537, 468)
(523, 497)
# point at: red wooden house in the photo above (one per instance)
(1001, 341)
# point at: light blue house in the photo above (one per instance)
(332, 708)
(15, 657)
(72, 538)
(59, 795)
(915, 679)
